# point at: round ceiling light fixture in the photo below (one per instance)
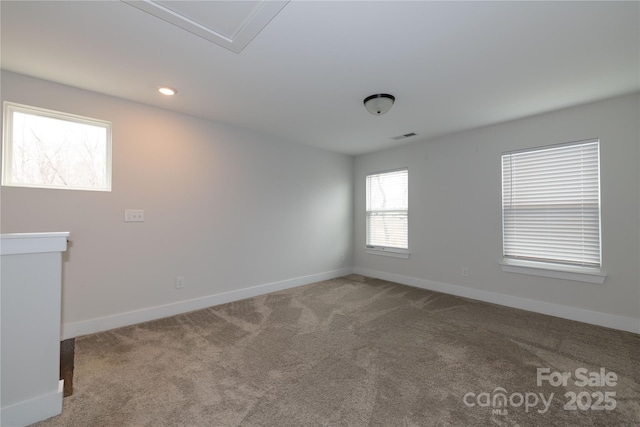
(166, 90)
(379, 104)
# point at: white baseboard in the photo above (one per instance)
(33, 410)
(628, 324)
(91, 326)
(72, 330)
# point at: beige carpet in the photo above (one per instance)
(354, 351)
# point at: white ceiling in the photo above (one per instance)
(451, 65)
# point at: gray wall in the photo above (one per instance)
(226, 208)
(238, 213)
(455, 212)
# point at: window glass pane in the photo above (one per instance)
(388, 230)
(54, 150)
(388, 191)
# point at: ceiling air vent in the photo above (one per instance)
(406, 135)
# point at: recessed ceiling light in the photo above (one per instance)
(166, 90)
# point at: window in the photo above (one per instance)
(551, 206)
(387, 211)
(48, 149)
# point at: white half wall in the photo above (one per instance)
(30, 270)
(226, 208)
(455, 213)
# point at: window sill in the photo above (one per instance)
(390, 252)
(533, 268)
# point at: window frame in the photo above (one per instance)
(9, 108)
(556, 268)
(390, 251)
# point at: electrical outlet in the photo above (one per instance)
(179, 282)
(133, 215)
(465, 272)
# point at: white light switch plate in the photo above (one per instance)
(133, 215)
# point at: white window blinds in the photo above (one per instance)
(387, 209)
(551, 204)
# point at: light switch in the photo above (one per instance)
(133, 215)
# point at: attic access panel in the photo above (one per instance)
(230, 24)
